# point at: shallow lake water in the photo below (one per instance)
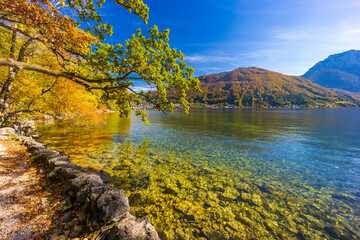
(231, 174)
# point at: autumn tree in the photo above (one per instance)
(72, 34)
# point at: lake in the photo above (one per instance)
(230, 174)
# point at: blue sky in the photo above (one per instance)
(286, 36)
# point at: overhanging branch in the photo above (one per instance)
(71, 76)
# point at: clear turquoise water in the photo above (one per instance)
(231, 174)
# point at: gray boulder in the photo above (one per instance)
(6, 131)
(130, 228)
(64, 173)
(113, 205)
(103, 204)
(85, 180)
(41, 154)
(60, 161)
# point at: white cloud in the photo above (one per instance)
(291, 35)
(349, 34)
(261, 53)
(208, 58)
(196, 58)
(293, 51)
(289, 50)
(342, 33)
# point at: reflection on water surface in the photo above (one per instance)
(223, 174)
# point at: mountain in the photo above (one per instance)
(259, 87)
(340, 71)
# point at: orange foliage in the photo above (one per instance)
(52, 28)
(66, 100)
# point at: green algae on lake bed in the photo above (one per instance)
(257, 181)
(184, 200)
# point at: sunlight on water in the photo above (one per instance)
(231, 174)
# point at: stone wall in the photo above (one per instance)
(104, 210)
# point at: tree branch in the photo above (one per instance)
(43, 91)
(2, 24)
(71, 76)
(30, 111)
(23, 49)
(13, 44)
(63, 74)
(157, 105)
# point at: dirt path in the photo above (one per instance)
(27, 200)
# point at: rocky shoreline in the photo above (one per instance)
(104, 211)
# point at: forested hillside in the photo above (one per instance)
(246, 87)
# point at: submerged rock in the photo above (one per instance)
(230, 193)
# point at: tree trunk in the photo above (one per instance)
(6, 88)
(5, 94)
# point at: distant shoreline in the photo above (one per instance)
(248, 108)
